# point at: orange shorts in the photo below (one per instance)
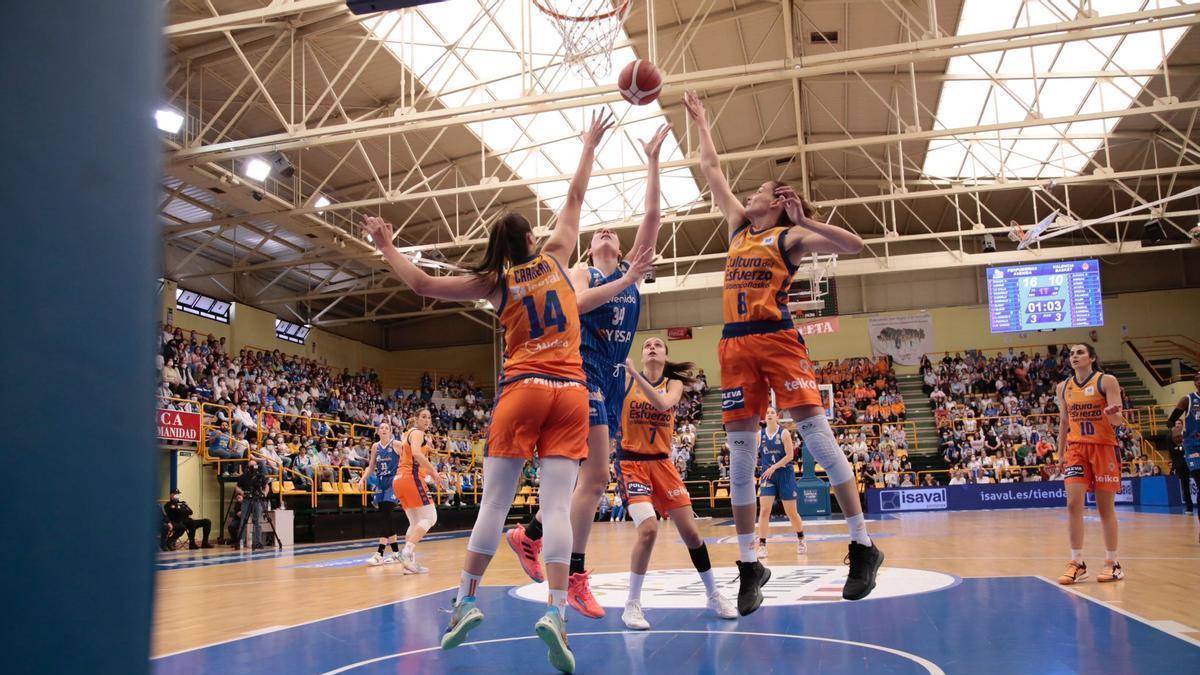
(753, 365)
(1096, 466)
(539, 414)
(653, 480)
(410, 492)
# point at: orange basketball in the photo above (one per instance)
(639, 82)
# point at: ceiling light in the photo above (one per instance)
(168, 120)
(256, 169)
(321, 202)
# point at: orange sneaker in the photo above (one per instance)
(579, 596)
(1075, 572)
(528, 552)
(1111, 572)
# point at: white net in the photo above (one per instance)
(589, 30)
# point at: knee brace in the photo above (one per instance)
(743, 454)
(426, 517)
(641, 512)
(554, 492)
(500, 478)
(819, 440)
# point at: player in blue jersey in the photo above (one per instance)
(381, 470)
(1184, 424)
(607, 335)
(777, 478)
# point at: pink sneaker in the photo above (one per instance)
(579, 596)
(528, 552)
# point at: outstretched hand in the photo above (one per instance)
(602, 121)
(380, 231)
(640, 264)
(694, 106)
(654, 145)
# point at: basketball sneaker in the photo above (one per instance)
(802, 547)
(464, 618)
(762, 552)
(1075, 572)
(411, 565)
(579, 596)
(633, 616)
(393, 559)
(753, 577)
(552, 629)
(864, 564)
(1111, 572)
(375, 560)
(718, 604)
(528, 552)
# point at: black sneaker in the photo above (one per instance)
(864, 564)
(753, 577)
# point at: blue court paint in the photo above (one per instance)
(199, 560)
(979, 625)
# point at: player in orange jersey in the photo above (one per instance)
(410, 489)
(543, 401)
(1090, 405)
(761, 351)
(648, 479)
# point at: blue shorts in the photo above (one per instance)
(606, 397)
(1191, 455)
(385, 492)
(782, 484)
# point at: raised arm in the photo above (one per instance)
(710, 165)
(812, 236)
(591, 297)
(647, 234)
(565, 236)
(461, 288)
(659, 400)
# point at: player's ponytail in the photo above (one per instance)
(507, 243)
(684, 372)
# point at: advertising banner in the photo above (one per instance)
(176, 425)
(904, 337)
(975, 497)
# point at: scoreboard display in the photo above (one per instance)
(1045, 296)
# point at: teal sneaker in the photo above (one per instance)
(464, 618)
(552, 629)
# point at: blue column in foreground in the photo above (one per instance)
(79, 179)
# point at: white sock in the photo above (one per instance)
(1110, 555)
(1077, 555)
(408, 549)
(746, 548)
(710, 581)
(467, 584)
(635, 587)
(559, 599)
(858, 529)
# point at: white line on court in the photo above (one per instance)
(1108, 605)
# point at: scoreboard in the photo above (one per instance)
(1045, 296)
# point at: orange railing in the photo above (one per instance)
(1175, 348)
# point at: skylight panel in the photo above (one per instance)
(469, 62)
(1038, 151)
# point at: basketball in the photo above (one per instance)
(639, 82)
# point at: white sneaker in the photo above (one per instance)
(762, 551)
(723, 608)
(391, 559)
(802, 547)
(375, 560)
(411, 565)
(634, 618)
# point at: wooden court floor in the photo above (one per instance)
(215, 596)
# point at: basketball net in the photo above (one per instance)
(589, 30)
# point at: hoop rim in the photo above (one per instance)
(583, 19)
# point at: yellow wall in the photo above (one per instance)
(476, 360)
(252, 327)
(957, 328)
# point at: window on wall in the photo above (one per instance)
(202, 305)
(292, 332)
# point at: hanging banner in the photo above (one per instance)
(904, 337)
(176, 425)
(820, 326)
(679, 333)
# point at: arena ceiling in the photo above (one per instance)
(920, 124)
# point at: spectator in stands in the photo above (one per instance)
(1144, 466)
(242, 419)
(220, 445)
(179, 514)
(929, 481)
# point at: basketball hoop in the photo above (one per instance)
(589, 31)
